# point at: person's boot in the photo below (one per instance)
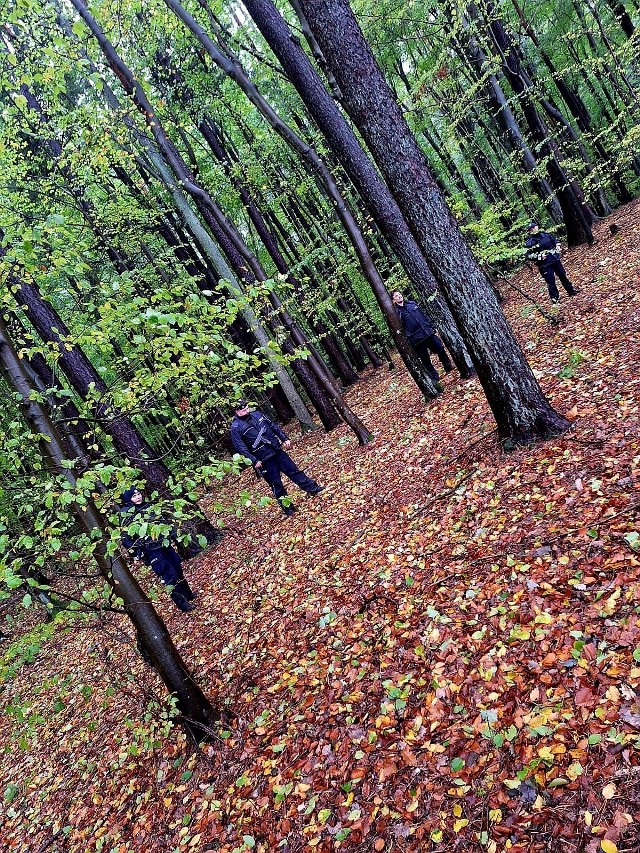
(317, 490)
(287, 509)
(180, 596)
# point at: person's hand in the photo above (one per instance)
(258, 464)
(286, 443)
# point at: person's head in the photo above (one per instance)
(533, 228)
(242, 408)
(133, 497)
(398, 298)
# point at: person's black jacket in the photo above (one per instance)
(141, 546)
(542, 248)
(415, 323)
(256, 437)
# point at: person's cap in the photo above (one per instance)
(532, 225)
(240, 404)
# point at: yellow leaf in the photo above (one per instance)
(545, 754)
(457, 810)
(608, 846)
(459, 824)
(609, 791)
(588, 818)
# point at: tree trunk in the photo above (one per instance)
(228, 238)
(520, 408)
(87, 383)
(578, 218)
(233, 69)
(213, 137)
(197, 712)
(372, 189)
(622, 17)
(506, 120)
(211, 251)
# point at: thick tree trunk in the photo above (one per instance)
(520, 408)
(198, 714)
(372, 189)
(232, 68)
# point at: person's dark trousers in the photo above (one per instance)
(549, 275)
(434, 345)
(166, 563)
(281, 463)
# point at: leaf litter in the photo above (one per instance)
(440, 652)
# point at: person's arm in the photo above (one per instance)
(278, 430)
(532, 251)
(239, 444)
(425, 323)
(133, 544)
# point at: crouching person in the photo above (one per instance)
(163, 558)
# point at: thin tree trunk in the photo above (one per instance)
(233, 69)
(225, 234)
(198, 714)
(577, 215)
(505, 117)
(88, 383)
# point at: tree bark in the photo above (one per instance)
(197, 712)
(88, 383)
(520, 408)
(232, 68)
(372, 189)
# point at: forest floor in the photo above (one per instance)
(441, 652)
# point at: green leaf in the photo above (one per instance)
(10, 792)
(249, 841)
(456, 765)
(558, 782)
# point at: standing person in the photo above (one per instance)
(544, 249)
(163, 559)
(421, 334)
(261, 440)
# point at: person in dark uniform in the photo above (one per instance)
(262, 441)
(543, 248)
(163, 558)
(421, 334)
